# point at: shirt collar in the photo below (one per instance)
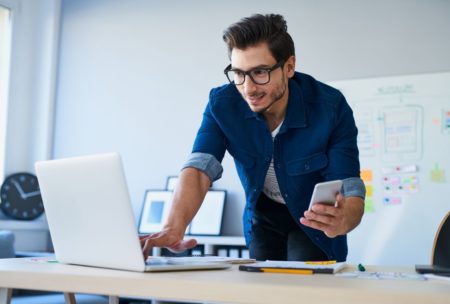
(295, 112)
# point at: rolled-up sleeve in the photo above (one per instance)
(353, 186)
(206, 163)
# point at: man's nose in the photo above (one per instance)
(248, 85)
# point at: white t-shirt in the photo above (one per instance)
(271, 188)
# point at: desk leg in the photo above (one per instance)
(70, 298)
(113, 300)
(5, 295)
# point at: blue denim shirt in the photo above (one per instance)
(316, 142)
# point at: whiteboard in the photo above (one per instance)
(404, 143)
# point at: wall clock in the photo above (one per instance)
(21, 197)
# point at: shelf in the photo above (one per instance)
(38, 224)
(29, 235)
(210, 242)
(219, 240)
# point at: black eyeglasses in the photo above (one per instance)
(257, 75)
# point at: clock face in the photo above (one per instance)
(20, 197)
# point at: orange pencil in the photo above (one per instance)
(286, 270)
(320, 262)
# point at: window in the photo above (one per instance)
(5, 46)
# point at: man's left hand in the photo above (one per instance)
(335, 220)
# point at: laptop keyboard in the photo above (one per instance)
(154, 261)
(197, 259)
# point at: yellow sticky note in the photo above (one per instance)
(369, 190)
(437, 174)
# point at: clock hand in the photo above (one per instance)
(17, 185)
(31, 194)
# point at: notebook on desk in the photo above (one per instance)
(90, 217)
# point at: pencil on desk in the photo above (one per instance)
(284, 270)
(275, 270)
(320, 262)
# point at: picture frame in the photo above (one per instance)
(154, 211)
(208, 220)
(171, 182)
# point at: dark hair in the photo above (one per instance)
(259, 28)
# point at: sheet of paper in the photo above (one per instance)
(382, 275)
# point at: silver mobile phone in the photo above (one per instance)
(325, 192)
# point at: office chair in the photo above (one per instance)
(440, 253)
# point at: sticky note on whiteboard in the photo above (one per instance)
(366, 175)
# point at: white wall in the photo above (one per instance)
(134, 76)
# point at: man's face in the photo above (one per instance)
(269, 96)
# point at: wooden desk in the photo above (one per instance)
(223, 286)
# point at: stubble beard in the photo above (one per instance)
(276, 96)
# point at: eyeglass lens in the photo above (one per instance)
(259, 76)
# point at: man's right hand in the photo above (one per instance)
(189, 193)
(166, 239)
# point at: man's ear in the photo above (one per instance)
(290, 66)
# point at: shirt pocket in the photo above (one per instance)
(307, 164)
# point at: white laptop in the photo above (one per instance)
(90, 217)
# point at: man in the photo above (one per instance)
(286, 132)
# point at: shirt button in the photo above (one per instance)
(286, 195)
(306, 166)
(267, 159)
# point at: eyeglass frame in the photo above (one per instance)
(277, 65)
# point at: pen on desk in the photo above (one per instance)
(286, 270)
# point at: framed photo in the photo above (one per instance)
(155, 210)
(171, 182)
(208, 220)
